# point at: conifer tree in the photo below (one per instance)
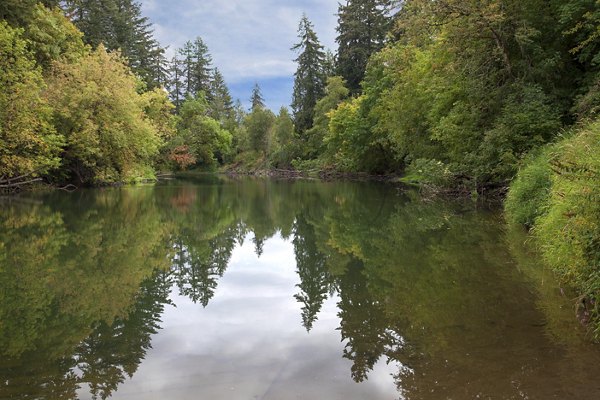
(187, 67)
(221, 103)
(201, 69)
(309, 82)
(362, 28)
(119, 25)
(196, 68)
(176, 83)
(257, 100)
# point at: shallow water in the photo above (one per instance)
(210, 288)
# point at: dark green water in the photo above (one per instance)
(255, 289)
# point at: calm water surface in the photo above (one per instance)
(210, 288)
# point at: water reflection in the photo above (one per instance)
(437, 291)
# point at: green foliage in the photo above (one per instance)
(569, 233)
(432, 172)
(529, 193)
(473, 85)
(259, 128)
(221, 103)
(120, 25)
(526, 121)
(52, 36)
(284, 146)
(362, 29)
(557, 193)
(99, 112)
(28, 141)
(208, 142)
(257, 100)
(335, 93)
(351, 144)
(310, 76)
(344, 139)
(194, 74)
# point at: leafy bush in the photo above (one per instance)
(431, 172)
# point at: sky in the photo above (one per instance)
(249, 40)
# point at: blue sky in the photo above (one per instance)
(249, 40)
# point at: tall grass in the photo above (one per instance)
(565, 211)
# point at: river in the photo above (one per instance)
(217, 288)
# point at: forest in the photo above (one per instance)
(462, 96)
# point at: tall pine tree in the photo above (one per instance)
(196, 68)
(119, 25)
(310, 76)
(221, 103)
(256, 99)
(176, 82)
(362, 29)
(201, 70)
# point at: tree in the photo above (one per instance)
(309, 79)
(335, 93)
(187, 64)
(284, 146)
(176, 83)
(99, 112)
(18, 13)
(158, 110)
(194, 68)
(257, 100)
(221, 103)
(201, 69)
(51, 36)
(258, 125)
(119, 25)
(315, 279)
(29, 144)
(207, 141)
(362, 29)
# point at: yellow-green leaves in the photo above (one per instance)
(98, 110)
(28, 141)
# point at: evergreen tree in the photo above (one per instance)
(329, 67)
(257, 100)
(309, 82)
(221, 103)
(201, 69)
(362, 28)
(187, 67)
(196, 68)
(18, 13)
(315, 279)
(119, 25)
(176, 84)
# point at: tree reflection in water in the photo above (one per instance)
(429, 286)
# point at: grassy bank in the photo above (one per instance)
(557, 196)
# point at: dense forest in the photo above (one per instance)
(466, 95)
